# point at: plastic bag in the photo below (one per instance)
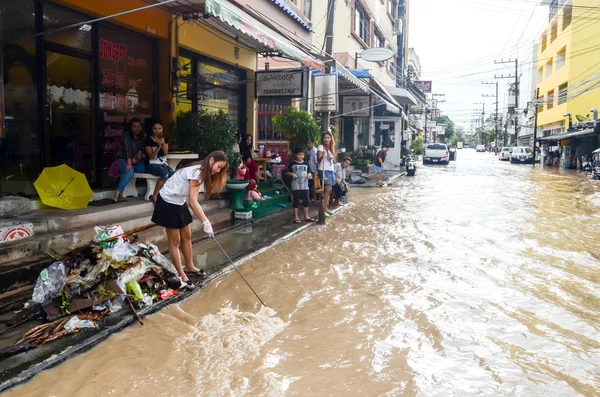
(123, 252)
(117, 303)
(133, 288)
(75, 323)
(151, 251)
(106, 232)
(134, 273)
(49, 283)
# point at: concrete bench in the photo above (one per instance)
(131, 191)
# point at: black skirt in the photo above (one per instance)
(171, 216)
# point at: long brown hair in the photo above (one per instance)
(212, 183)
(331, 147)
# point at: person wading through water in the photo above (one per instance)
(171, 210)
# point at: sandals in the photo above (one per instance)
(310, 220)
(199, 273)
(297, 221)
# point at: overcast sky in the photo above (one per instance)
(458, 41)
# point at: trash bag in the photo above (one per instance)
(357, 178)
(50, 283)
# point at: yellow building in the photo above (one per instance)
(568, 73)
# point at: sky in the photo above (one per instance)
(458, 41)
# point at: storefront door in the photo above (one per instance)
(69, 134)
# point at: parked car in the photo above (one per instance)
(480, 148)
(521, 154)
(436, 153)
(505, 153)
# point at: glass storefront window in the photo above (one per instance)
(20, 157)
(56, 17)
(210, 86)
(126, 88)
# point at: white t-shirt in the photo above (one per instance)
(327, 158)
(177, 188)
(312, 159)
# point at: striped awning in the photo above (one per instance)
(291, 12)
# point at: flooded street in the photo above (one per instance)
(479, 278)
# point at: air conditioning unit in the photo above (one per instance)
(398, 25)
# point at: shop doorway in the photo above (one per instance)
(69, 134)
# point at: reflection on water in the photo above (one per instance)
(477, 278)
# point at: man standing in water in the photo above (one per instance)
(378, 163)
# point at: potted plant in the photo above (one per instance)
(299, 126)
(203, 133)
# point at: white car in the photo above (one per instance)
(480, 148)
(505, 154)
(436, 153)
(521, 154)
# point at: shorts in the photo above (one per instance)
(377, 169)
(329, 178)
(301, 195)
(171, 216)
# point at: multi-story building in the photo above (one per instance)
(567, 57)
(361, 25)
(569, 78)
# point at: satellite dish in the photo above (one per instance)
(377, 54)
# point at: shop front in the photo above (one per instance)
(68, 93)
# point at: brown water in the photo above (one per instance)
(476, 279)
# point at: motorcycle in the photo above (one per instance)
(586, 164)
(595, 167)
(411, 166)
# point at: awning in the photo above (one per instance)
(569, 135)
(382, 93)
(290, 11)
(402, 96)
(345, 75)
(266, 39)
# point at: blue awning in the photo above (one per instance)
(290, 11)
(360, 73)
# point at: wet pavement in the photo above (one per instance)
(479, 278)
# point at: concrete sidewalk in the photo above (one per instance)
(240, 242)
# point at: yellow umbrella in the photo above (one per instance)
(63, 187)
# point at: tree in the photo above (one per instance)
(449, 129)
(459, 135)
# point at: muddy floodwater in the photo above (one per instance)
(480, 278)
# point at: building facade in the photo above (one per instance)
(568, 79)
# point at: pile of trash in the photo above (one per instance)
(110, 273)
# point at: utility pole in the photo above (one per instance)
(482, 119)
(516, 88)
(496, 117)
(535, 117)
(326, 120)
(435, 109)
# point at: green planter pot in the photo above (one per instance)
(238, 194)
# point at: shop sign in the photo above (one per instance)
(377, 54)
(384, 127)
(326, 93)
(356, 106)
(431, 124)
(280, 84)
(424, 86)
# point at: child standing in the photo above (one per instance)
(299, 170)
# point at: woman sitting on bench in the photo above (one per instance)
(128, 159)
(157, 148)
